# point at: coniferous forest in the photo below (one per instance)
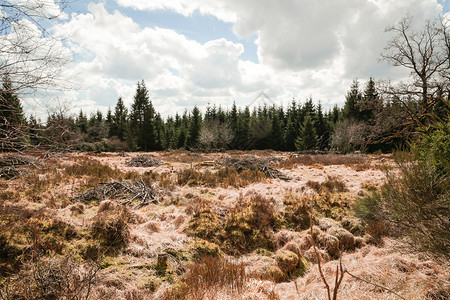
(366, 122)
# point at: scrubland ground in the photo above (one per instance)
(181, 225)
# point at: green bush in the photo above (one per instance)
(415, 200)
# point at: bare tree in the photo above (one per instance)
(426, 54)
(215, 135)
(33, 58)
(31, 52)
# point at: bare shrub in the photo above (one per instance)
(52, 278)
(144, 160)
(215, 135)
(349, 136)
(207, 277)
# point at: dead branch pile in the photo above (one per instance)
(130, 191)
(144, 160)
(14, 160)
(9, 165)
(10, 172)
(250, 162)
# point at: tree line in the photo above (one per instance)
(378, 116)
(359, 125)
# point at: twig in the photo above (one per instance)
(374, 284)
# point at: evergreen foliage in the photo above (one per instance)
(307, 140)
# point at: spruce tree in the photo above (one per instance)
(195, 125)
(277, 131)
(149, 134)
(352, 100)
(370, 103)
(13, 129)
(81, 122)
(242, 137)
(142, 130)
(322, 129)
(120, 120)
(291, 128)
(307, 140)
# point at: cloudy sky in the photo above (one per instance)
(195, 52)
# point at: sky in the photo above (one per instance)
(195, 52)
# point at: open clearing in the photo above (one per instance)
(149, 220)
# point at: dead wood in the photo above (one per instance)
(139, 191)
(14, 160)
(144, 160)
(250, 162)
(10, 163)
(11, 172)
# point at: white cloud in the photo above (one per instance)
(305, 48)
(186, 8)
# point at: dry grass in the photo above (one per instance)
(224, 177)
(405, 274)
(94, 170)
(181, 156)
(332, 184)
(223, 278)
(358, 162)
(110, 229)
(204, 218)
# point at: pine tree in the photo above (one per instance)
(242, 138)
(11, 111)
(120, 120)
(195, 125)
(291, 128)
(159, 130)
(353, 97)
(322, 129)
(307, 140)
(335, 114)
(149, 135)
(13, 129)
(277, 131)
(370, 103)
(142, 131)
(82, 122)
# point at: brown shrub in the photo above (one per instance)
(208, 276)
(77, 208)
(204, 223)
(296, 213)
(311, 255)
(110, 228)
(331, 185)
(152, 226)
(291, 264)
(330, 243)
(286, 260)
(377, 230)
(106, 205)
(249, 225)
(96, 171)
(284, 236)
(346, 239)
